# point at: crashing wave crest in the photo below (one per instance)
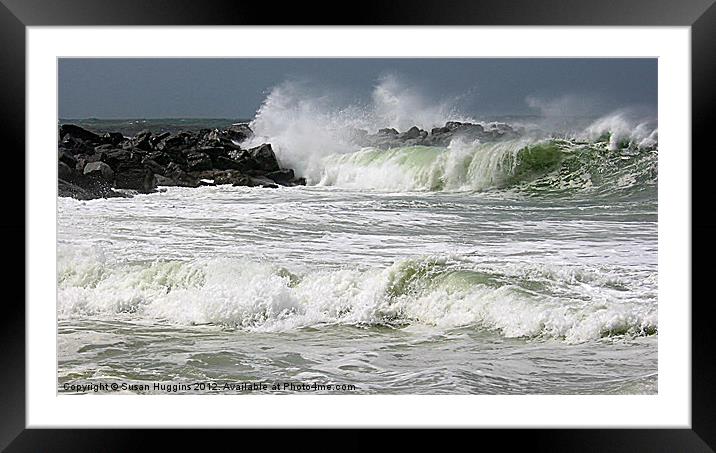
(519, 301)
(556, 166)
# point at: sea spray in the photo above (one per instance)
(304, 126)
(320, 138)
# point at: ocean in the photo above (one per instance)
(524, 266)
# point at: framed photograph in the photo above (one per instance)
(474, 216)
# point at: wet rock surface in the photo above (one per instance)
(93, 166)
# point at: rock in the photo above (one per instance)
(260, 181)
(67, 189)
(466, 131)
(112, 138)
(153, 165)
(217, 138)
(163, 158)
(179, 176)
(105, 147)
(86, 187)
(213, 152)
(89, 162)
(412, 133)
(160, 180)
(239, 154)
(226, 163)
(239, 132)
(264, 158)
(142, 140)
(64, 171)
(64, 156)
(257, 181)
(232, 177)
(139, 178)
(154, 140)
(101, 168)
(77, 132)
(116, 157)
(197, 161)
(177, 143)
(387, 131)
(76, 145)
(282, 177)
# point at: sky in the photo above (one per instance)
(108, 88)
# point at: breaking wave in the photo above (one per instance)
(519, 300)
(317, 136)
(554, 166)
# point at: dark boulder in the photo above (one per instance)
(105, 147)
(155, 139)
(76, 145)
(214, 152)
(412, 133)
(235, 178)
(283, 177)
(387, 131)
(179, 177)
(197, 161)
(83, 187)
(257, 181)
(64, 156)
(261, 181)
(173, 143)
(264, 158)
(467, 131)
(134, 177)
(99, 168)
(163, 158)
(239, 132)
(64, 171)
(218, 138)
(160, 180)
(76, 132)
(68, 189)
(453, 125)
(116, 157)
(112, 138)
(227, 163)
(91, 192)
(83, 159)
(142, 140)
(153, 165)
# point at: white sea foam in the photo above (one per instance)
(522, 301)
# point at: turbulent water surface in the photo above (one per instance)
(524, 266)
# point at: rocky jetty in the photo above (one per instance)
(439, 136)
(93, 166)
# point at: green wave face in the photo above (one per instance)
(549, 166)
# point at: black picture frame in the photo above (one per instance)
(700, 15)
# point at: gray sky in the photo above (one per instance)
(235, 88)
